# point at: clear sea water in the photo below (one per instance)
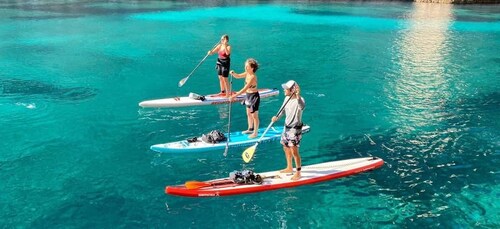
(415, 84)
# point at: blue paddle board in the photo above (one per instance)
(237, 139)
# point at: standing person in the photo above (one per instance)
(223, 63)
(290, 139)
(252, 98)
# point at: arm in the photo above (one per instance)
(300, 101)
(228, 50)
(238, 76)
(210, 52)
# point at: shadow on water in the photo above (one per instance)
(22, 88)
(348, 13)
(101, 205)
(426, 173)
(496, 60)
(45, 17)
(320, 12)
(78, 9)
(28, 48)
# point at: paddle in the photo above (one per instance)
(183, 80)
(229, 119)
(196, 184)
(247, 155)
(200, 184)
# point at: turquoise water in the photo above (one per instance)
(415, 84)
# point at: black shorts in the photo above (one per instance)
(252, 101)
(223, 66)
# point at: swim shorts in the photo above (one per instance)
(252, 101)
(223, 66)
(291, 136)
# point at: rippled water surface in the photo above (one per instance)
(415, 84)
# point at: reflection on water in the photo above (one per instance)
(428, 175)
(223, 110)
(418, 92)
(420, 88)
(434, 157)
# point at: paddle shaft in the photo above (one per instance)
(183, 81)
(229, 118)
(270, 124)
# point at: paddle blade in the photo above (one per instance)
(182, 81)
(248, 153)
(196, 184)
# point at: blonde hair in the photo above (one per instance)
(253, 64)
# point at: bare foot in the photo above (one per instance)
(254, 135)
(296, 176)
(287, 170)
(247, 131)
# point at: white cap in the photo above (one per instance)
(289, 85)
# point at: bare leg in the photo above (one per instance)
(222, 84)
(288, 156)
(298, 162)
(249, 119)
(226, 86)
(255, 120)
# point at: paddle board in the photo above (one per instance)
(213, 99)
(275, 180)
(237, 139)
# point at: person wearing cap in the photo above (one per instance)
(294, 105)
(223, 49)
(252, 98)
